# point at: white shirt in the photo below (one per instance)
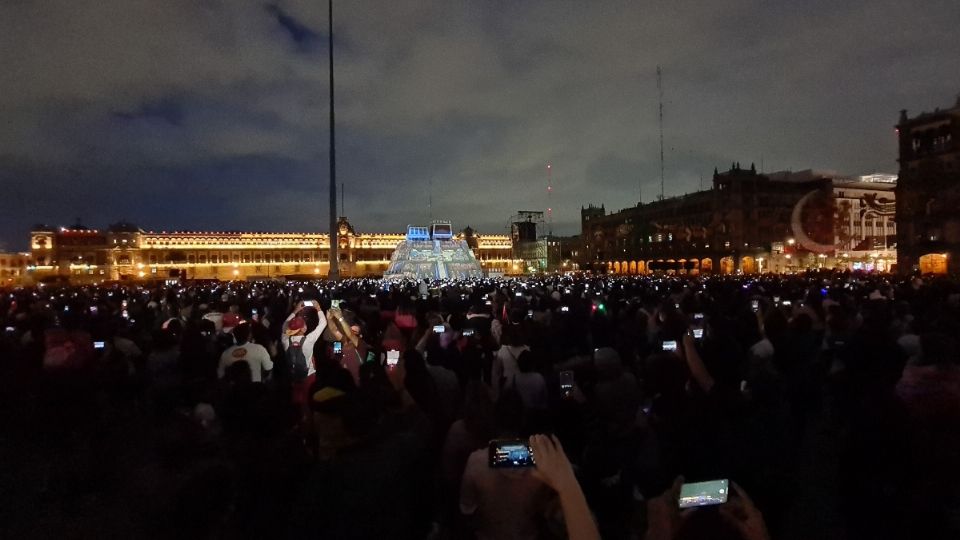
(255, 355)
(308, 342)
(505, 364)
(762, 349)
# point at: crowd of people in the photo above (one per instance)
(367, 408)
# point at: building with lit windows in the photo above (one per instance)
(928, 191)
(13, 268)
(748, 223)
(124, 252)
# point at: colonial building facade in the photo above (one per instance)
(124, 252)
(928, 192)
(13, 268)
(748, 222)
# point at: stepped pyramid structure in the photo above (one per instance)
(433, 253)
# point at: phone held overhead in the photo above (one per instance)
(510, 454)
(704, 493)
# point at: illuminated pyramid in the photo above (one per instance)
(433, 253)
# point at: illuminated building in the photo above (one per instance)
(928, 193)
(124, 252)
(13, 268)
(748, 223)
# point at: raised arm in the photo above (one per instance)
(555, 470)
(697, 369)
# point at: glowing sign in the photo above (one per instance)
(418, 233)
(442, 231)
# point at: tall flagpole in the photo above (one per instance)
(334, 273)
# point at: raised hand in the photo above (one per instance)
(741, 513)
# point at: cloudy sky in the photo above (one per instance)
(212, 114)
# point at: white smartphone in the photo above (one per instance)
(669, 345)
(393, 357)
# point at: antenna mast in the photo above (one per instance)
(660, 93)
(549, 193)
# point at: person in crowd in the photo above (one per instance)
(255, 355)
(505, 365)
(307, 339)
(529, 384)
(828, 401)
(504, 502)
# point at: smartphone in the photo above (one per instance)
(93, 310)
(11, 329)
(335, 304)
(125, 314)
(755, 305)
(564, 308)
(776, 299)
(308, 303)
(510, 453)
(786, 303)
(371, 356)
(518, 295)
(698, 316)
(393, 357)
(337, 347)
(439, 329)
(529, 313)
(698, 333)
(467, 332)
(98, 344)
(704, 493)
(669, 345)
(566, 383)
(488, 302)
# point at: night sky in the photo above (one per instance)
(212, 115)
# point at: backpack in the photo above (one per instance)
(296, 361)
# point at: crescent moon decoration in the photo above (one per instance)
(796, 224)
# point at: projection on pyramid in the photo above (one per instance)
(433, 253)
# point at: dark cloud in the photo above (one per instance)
(304, 37)
(213, 114)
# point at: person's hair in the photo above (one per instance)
(164, 339)
(241, 333)
(512, 335)
(375, 386)
(525, 362)
(174, 327)
(312, 317)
